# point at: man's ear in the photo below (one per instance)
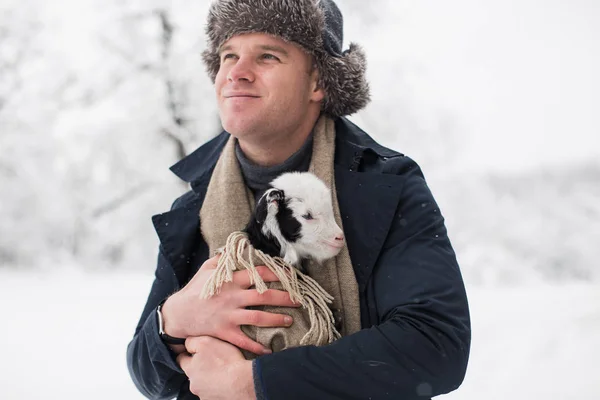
(317, 92)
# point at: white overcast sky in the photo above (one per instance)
(521, 77)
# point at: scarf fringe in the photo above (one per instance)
(238, 255)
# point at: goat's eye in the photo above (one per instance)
(307, 216)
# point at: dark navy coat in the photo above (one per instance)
(416, 336)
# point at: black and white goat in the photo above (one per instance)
(294, 220)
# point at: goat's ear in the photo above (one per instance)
(275, 195)
(260, 211)
(262, 207)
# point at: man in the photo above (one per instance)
(283, 85)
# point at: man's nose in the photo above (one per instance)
(241, 71)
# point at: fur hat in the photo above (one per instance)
(315, 25)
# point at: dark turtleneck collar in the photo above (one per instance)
(258, 177)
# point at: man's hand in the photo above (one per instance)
(216, 370)
(186, 314)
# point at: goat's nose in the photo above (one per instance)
(340, 237)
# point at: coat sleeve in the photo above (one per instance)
(419, 348)
(152, 365)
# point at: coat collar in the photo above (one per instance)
(197, 167)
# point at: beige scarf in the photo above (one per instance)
(335, 276)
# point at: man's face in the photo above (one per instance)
(265, 86)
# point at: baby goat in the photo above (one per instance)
(294, 220)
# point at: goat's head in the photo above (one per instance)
(297, 211)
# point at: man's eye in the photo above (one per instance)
(268, 56)
(228, 56)
(307, 216)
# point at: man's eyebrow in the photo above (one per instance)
(274, 48)
(225, 48)
(265, 47)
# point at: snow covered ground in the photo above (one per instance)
(64, 336)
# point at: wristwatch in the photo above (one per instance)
(161, 331)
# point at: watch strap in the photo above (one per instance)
(168, 339)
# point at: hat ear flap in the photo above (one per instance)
(212, 61)
(344, 81)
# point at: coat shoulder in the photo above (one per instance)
(186, 200)
(197, 165)
(375, 158)
(350, 134)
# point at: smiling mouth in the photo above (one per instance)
(241, 97)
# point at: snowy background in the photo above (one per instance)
(498, 101)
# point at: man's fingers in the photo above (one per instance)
(271, 297)
(242, 278)
(262, 319)
(241, 340)
(184, 360)
(194, 344)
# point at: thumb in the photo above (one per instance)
(184, 360)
